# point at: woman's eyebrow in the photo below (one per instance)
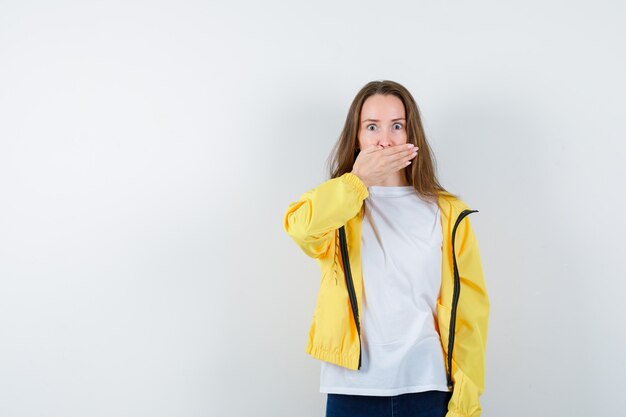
(376, 120)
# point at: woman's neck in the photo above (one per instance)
(395, 180)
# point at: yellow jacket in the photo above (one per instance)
(326, 224)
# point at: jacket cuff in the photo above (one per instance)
(355, 181)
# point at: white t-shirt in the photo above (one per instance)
(401, 262)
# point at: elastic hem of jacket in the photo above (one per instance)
(455, 413)
(350, 361)
(350, 178)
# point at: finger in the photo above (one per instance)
(403, 156)
(372, 148)
(405, 162)
(401, 149)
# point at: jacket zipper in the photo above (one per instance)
(350, 284)
(455, 297)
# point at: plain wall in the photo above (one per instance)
(149, 150)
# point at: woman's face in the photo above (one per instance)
(382, 122)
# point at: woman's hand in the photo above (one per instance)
(376, 163)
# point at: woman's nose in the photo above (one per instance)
(384, 141)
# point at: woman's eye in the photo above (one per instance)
(368, 126)
(399, 125)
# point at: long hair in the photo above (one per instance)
(421, 172)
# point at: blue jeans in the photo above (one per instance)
(414, 404)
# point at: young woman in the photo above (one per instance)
(400, 322)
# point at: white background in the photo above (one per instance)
(149, 150)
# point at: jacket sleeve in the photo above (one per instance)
(312, 219)
(468, 357)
